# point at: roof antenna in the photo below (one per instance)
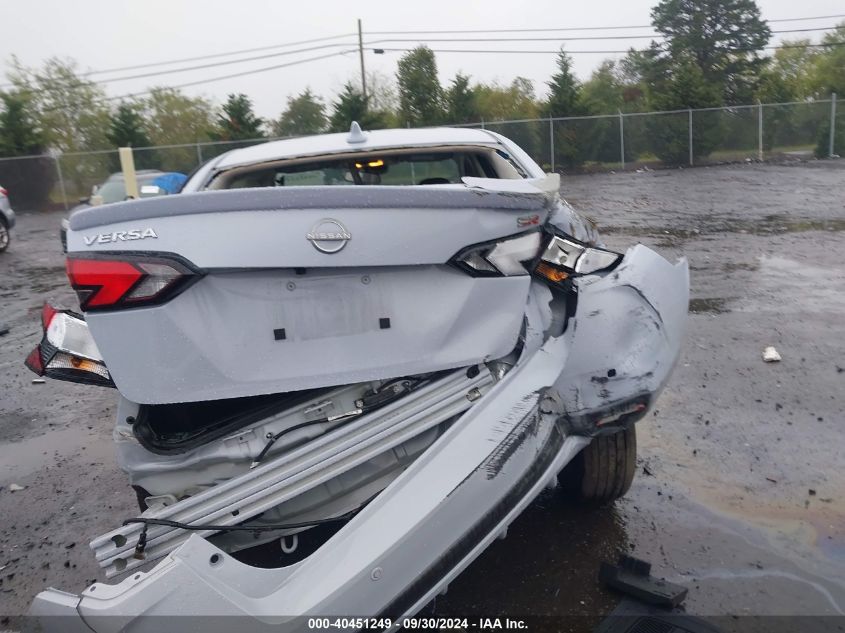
(355, 134)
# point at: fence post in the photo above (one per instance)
(199, 154)
(759, 131)
(551, 144)
(689, 110)
(622, 139)
(61, 179)
(482, 124)
(830, 149)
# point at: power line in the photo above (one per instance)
(231, 76)
(393, 40)
(334, 37)
(817, 17)
(602, 52)
(225, 63)
(567, 39)
(213, 79)
(569, 28)
(216, 55)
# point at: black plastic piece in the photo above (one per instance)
(631, 616)
(384, 323)
(279, 334)
(632, 576)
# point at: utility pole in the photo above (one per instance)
(361, 56)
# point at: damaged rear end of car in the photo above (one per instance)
(332, 399)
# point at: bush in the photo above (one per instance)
(823, 144)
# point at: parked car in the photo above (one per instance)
(344, 365)
(7, 219)
(151, 183)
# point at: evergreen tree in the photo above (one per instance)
(564, 90)
(687, 87)
(126, 129)
(722, 37)
(460, 101)
(237, 121)
(19, 134)
(305, 114)
(351, 106)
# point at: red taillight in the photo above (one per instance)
(34, 361)
(47, 314)
(3, 191)
(117, 281)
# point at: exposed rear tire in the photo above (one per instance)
(604, 470)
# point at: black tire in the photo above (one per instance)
(5, 236)
(604, 470)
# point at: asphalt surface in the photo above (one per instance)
(740, 492)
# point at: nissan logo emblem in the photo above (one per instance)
(328, 236)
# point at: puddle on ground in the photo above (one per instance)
(19, 459)
(712, 305)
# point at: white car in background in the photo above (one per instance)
(7, 219)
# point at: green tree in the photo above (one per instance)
(29, 180)
(19, 133)
(564, 90)
(69, 109)
(305, 114)
(564, 100)
(603, 93)
(351, 106)
(71, 113)
(687, 87)
(723, 38)
(789, 73)
(461, 105)
(420, 93)
(829, 72)
(495, 102)
(127, 129)
(173, 118)
(516, 100)
(829, 76)
(236, 120)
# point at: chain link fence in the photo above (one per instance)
(631, 140)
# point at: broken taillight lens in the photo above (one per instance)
(110, 281)
(67, 351)
(564, 257)
(503, 258)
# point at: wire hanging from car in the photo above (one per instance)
(256, 529)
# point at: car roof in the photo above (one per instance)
(338, 143)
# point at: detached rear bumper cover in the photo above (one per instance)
(432, 521)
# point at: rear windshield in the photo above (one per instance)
(434, 168)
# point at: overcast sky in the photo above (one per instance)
(106, 34)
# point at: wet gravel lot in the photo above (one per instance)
(740, 492)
